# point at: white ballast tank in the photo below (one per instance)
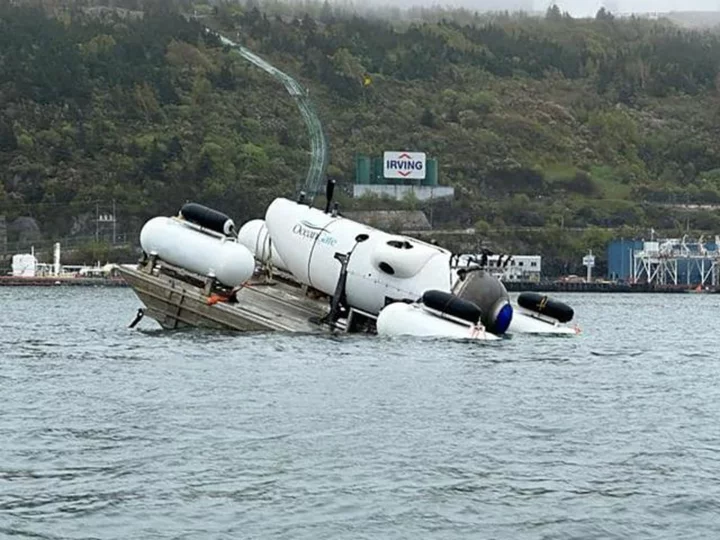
(178, 244)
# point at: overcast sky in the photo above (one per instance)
(577, 8)
(588, 7)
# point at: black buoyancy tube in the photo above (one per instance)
(208, 218)
(540, 303)
(449, 304)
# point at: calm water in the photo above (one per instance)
(107, 432)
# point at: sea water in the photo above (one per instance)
(108, 432)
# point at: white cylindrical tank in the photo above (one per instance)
(56, 259)
(382, 266)
(179, 244)
(254, 236)
(401, 319)
(24, 265)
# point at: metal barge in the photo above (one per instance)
(177, 298)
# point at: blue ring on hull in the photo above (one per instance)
(503, 319)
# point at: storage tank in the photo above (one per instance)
(362, 170)
(431, 173)
(377, 176)
(24, 265)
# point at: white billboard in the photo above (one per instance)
(404, 165)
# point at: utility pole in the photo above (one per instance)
(114, 218)
(589, 262)
(432, 207)
(97, 221)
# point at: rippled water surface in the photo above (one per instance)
(107, 432)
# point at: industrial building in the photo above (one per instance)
(399, 175)
(525, 268)
(668, 261)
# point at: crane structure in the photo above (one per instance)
(678, 261)
(315, 178)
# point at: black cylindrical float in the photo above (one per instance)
(540, 303)
(208, 218)
(449, 304)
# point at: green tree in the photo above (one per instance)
(8, 140)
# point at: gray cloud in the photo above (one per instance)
(577, 8)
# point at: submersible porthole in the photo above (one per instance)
(385, 267)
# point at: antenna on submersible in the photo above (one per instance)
(329, 192)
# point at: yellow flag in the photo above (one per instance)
(367, 80)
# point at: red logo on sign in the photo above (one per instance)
(404, 173)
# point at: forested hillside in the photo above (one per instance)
(146, 110)
(538, 122)
(583, 114)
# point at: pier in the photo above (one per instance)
(511, 286)
(52, 281)
(600, 287)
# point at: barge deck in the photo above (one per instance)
(176, 298)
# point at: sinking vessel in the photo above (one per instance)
(305, 269)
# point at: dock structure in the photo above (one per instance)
(177, 298)
(678, 261)
(52, 281)
(593, 287)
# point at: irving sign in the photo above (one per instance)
(404, 165)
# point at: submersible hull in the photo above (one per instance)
(336, 274)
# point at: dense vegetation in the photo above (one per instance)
(538, 122)
(148, 111)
